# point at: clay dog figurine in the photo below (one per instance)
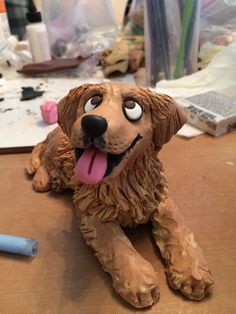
(105, 148)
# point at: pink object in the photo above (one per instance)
(91, 167)
(49, 111)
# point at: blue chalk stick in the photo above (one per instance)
(18, 245)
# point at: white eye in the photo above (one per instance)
(132, 110)
(92, 103)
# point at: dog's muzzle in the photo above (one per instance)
(92, 165)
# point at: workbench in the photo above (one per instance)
(67, 278)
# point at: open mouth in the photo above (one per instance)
(93, 165)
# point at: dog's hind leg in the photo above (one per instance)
(34, 161)
(187, 269)
(41, 180)
(133, 277)
(51, 163)
(35, 167)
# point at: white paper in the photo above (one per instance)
(189, 131)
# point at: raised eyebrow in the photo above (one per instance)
(95, 89)
(131, 95)
(98, 89)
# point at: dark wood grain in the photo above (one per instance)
(66, 277)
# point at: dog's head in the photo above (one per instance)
(110, 125)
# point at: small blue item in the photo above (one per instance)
(18, 245)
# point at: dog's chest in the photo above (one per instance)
(130, 199)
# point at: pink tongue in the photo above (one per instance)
(91, 167)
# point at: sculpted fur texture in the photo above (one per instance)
(105, 149)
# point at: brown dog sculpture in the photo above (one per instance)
(105, 148)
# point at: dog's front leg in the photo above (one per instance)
(187, 269)
(133, 277)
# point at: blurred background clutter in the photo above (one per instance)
(166, 44)
(181, 37)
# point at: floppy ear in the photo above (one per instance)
(67, 108)
(167, 118)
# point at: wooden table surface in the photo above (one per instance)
(66, 277)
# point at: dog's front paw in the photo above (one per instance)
(136, 281)
(191, 287)
(189, 272)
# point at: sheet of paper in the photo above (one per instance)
(189, 131)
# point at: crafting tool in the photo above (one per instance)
(19, 245)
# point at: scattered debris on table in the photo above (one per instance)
(29, 93)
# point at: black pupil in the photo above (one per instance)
(96, 100)
(129, 104)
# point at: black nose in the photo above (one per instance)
(93, 126)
